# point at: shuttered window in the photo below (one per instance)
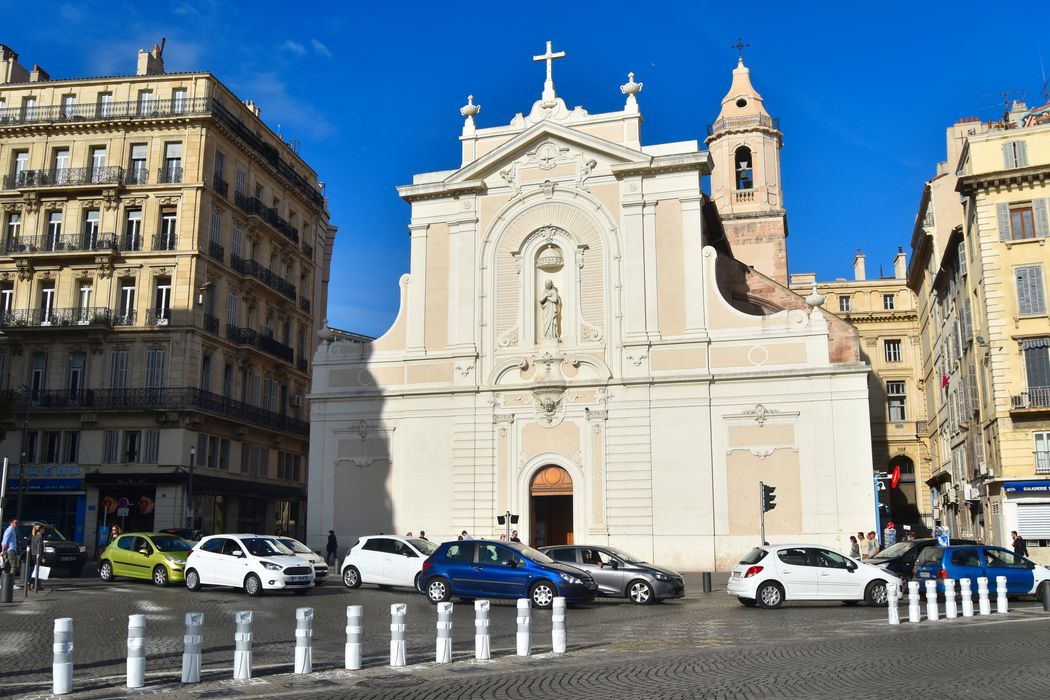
(1030, 298)
(967, 321)
(1041, 209)
(155, 361)
(109, 446)
(1015, 154)
(151, 447)
(1037, 362)
(118, 369)
(1033, 520)
(962, 258)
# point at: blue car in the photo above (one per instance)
(1023, 576)
(489, 569)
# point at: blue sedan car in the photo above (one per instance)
(488, 569)
(1023, 576)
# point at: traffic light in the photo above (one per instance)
(768, 498)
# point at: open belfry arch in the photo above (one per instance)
(579, 343)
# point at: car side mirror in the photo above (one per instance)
(144, 552)
(614, 564)
(238, 553)
(851, 566)
(1030, 564)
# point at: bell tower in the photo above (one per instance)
(745, 143)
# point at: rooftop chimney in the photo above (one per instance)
(11, 71)
(38, 75)
(858, 267)
(151, 62)
(252, 107)
(900, 264)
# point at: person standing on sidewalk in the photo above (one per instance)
(854, 547)
(36, 548)
(332, 548)
(1020, 545)
(9, 548)
(873, 545)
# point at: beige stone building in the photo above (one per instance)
(979, 270)
(580, 344)
(883, 309)
(163, 274)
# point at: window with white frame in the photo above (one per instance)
(14, 232)
(1042, 453)
(133, 230)
(145, 102)
(893, 350)
(895, 401)
(105, 104)
(844, 303)
(139, 174)
(888, 302)
(178, 100)
(98, 164)
(91, 227)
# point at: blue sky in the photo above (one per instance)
(372, 92)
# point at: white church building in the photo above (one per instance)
(590, 341)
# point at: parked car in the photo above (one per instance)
(619, 574)
(60, 554)
(185, 533)
(487, 569)
(772, 574)
(255, 563)
(1023, 576)
(386, 560)
(316, 560)
(899, 559)
(153, 556)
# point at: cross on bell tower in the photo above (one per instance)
(548, 84)
(740, 46)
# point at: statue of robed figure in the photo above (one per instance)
(550, 304)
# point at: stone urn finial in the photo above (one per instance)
(815, 299)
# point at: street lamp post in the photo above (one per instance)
(189, 489)
(22, 462)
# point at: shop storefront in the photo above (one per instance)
(54, 495)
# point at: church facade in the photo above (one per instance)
(584, 342)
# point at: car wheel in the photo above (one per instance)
(351, 577)
(160, 575)
(193, 580)
(105, 571)
(301, 591)
(252, 585)
(641, 593)
(416, 582)
(875, 593)
(543, 594)
(438, 590)
(770, 595)
(747, 602)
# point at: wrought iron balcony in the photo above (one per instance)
(248, 336)
(252, 205)
(221, 186)
(137, 175)
(131, 242)
(96, 111)
(1037, 398)
(169, 175)
(159, 399)
(304, 304)
(64, 177)
(124, 317)
(51, 317)
(158, 317)
(165, 241)
(267, 277)
(211, 324)
(61, 243)
(216, 251)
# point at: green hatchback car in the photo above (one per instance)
(154, 556)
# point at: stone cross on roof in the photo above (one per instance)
(548, 84)
(740, 46)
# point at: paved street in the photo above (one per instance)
(703, 645)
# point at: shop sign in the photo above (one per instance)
(1027, 487)
(46, 485)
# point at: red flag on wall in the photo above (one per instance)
(944, 381)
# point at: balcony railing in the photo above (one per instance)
(252, 205)
(124, 317)
(50, 317)
(165, 241)
(216, 251)
(248, 336)
(1035, 397)
(221, 186)
(211, 323)
(137, 175)
(161, 399)
(267, 277)
(169, 174)
(64, 177)
(304, 304)
(730, 123)
(158, 317)
(131, 242)
(104, 110)
(49, 243)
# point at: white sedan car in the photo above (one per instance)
(387, 560)
(252, 562)
(771, 574)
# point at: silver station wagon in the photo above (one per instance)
(619, 574)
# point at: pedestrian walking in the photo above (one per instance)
(9, 548)
(465, 536)
(36, 549)
(423, 535)
(332, 548)
(1020, 546)
(854, 547)
(514, 536)
(873, 545)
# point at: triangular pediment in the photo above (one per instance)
(535, 136)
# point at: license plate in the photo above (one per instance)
(736, 574)
(67, 558)
(924, 574)
(298, 579)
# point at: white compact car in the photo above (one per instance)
(315, 559)
(255, 563)
(771, 574)
(386, 560)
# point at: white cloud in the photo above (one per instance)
(294, 47)
(320, 48)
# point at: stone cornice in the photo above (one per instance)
(678, 162)
(1033, 174)
(440, 190)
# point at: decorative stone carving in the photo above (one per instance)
(465, 367)
(548, 188)
(31, 202)
(111, 199)
(631, 88)
(550, 306)
(550, 405)
(637, 356)
(104, 266)
(25, 269)
(171, 201)
(760, 413)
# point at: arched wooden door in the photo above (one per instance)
(550, 507)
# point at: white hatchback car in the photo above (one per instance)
(771, 574)
(320, 567)
(387, 560)
(253, 562)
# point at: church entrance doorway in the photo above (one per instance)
(550, 507)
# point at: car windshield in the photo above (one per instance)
(295, 545)
(25, 530)
(425, 546)
(895, 550)
(754, 556)
(171, 543)
(530, 553)
(265, 547)
(620, 554)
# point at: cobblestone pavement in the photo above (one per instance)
(699, 646)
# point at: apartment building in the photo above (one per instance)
(163, 275)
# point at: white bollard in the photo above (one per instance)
(967, 597)
(136, 651)
(191, 652)
(914, 611)
(304, 635)
(397, 634)
(950, 609)
(443, 653)
(984, 605)
(62, 657)
(558, 631)
(242, 649)
(354, 632)
(893, 614)
(1001, 605)
(482, 651)
(931, 601)
(524, 624)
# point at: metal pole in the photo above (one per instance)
(878, 520)
(761, 513)
(189, 489)
(3, 491)
(22, 464)
(508, 525)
